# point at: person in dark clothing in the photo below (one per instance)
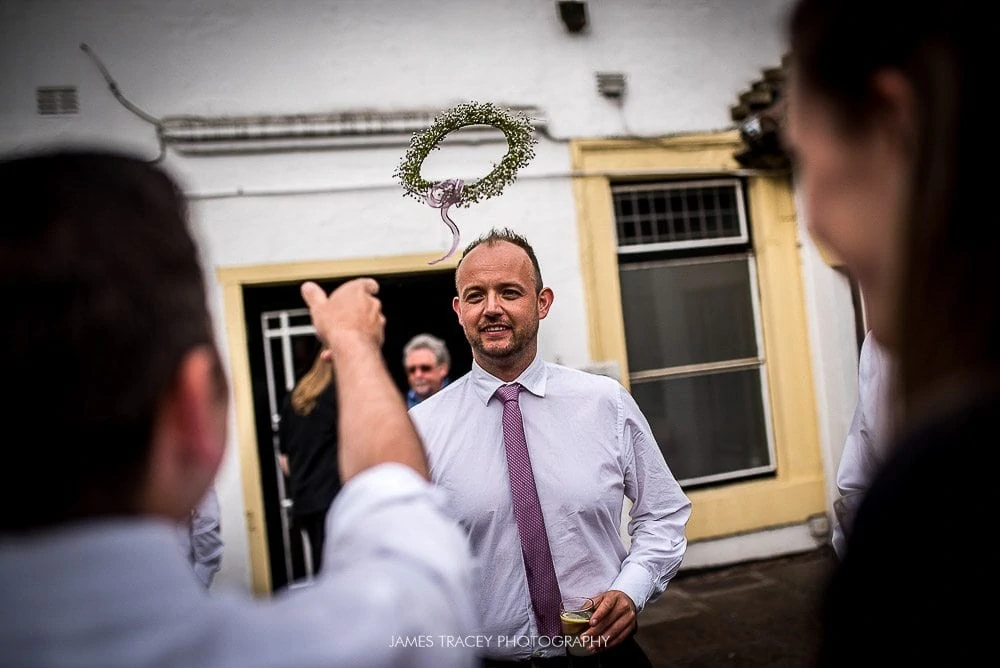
(896, 600)
(308, 444)
(888, 120)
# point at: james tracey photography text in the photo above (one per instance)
(488, 641)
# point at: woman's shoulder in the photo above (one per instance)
(962, 422)
(940, 465)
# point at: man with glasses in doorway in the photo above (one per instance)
(426, 361)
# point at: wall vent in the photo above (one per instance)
(57, 100)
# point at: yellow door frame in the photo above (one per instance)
(232, 280)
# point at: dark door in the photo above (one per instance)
(281, 346)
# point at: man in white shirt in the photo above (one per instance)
(865, 449)
(201, 538)
(103, 291)
(589, 448)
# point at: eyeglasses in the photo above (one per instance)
(423, 368)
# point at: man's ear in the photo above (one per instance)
(545, 298)
(202, 400)
(189, 436)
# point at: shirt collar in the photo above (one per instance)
(532, 379)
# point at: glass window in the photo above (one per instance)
(692, 327)
(688, 311)
(710, 427)
(665, 216)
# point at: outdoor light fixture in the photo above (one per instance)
(573, 14)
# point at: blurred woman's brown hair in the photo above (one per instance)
(311, 385)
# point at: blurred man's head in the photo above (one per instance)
(120, 398)
(426, 361)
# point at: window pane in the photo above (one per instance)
(711, 425)
(677, 213)
(687, 313)
(730, 223)
(623, 207)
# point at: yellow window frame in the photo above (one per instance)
(796, 491)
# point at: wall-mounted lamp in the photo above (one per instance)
(573, 14)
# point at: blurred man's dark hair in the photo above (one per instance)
(103, 295)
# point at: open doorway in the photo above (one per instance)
(281, 345)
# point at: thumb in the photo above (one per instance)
(312, 294)
(370, 285)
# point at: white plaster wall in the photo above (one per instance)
(685, 60)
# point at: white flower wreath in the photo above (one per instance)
(521, 140)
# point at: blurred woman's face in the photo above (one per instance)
(853, 191)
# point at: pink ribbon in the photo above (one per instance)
(442, 195)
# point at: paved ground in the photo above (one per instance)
(761, 613)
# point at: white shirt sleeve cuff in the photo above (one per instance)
(635, 581)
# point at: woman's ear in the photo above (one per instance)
(898, 110)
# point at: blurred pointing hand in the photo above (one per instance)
(352, 312)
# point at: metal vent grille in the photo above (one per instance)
(666, 216)
(57, 100)
(348, 129)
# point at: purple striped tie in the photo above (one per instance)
(542, 583)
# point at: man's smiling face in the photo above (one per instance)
(499, 306)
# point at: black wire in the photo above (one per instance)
(125, 102)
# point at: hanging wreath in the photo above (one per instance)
(455, 192)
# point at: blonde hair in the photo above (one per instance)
(311, 385)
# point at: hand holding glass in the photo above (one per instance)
(575, 618)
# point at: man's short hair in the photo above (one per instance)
(103, 296)
(493, 237)
(431, 343)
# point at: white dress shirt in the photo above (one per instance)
(118, 593)
(590, 447)
(865, 449)
(201, 538)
